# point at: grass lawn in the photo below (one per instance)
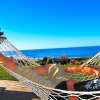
(5, 75)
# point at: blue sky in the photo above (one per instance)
(35, 24)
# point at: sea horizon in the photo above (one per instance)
(83, 51)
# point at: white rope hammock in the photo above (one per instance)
(42, 86)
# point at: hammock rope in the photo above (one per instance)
(41, 86)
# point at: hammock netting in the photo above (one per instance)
(45, 85)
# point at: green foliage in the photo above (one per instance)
(47, 60)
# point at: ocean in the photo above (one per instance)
(57, 52)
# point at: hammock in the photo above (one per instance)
(43, 79)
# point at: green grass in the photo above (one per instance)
(5, 75)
